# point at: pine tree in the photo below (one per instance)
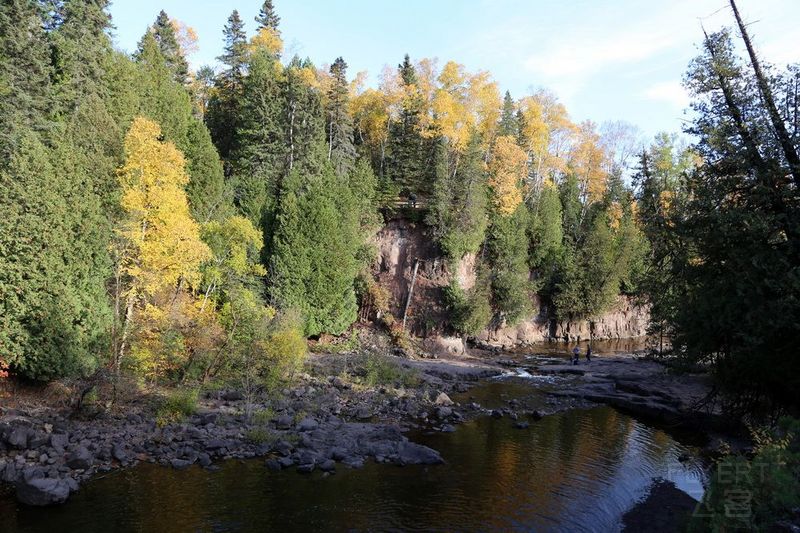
(223, 112)
(509, 118)
(304, 122)
(407, 159)
(260, 156)
(164, 33)
(339, 123)
(267, 18)
(508, 257)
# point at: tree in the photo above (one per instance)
(546, 235)
(509, 121)
(25, 71)
(339, 123)
(507, 172)
(507, 245)
(305, 122)
(267, 18)
(159, 247)
(164, 32)
(223, 108)
(313, 263)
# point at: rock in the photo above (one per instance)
(18, 438)
(43, 491)
(215, 444)
(38, 439)
(537, 415)
(443, 399)
(305, 469)
(180, 464)
(232, 396)
(307, 424)
(363, 413)
(328, 465)
(59, 441)
(339, 383)
(284, 422)
(448, 428)
(443, 412)
(354, 462)
(521, 425)
(283, 448)
(410, 453)
(9, 473)
(496, 414)
(285, 462)
(205, 419)
(203, 459)
(81, 459)
(118, 452)
(273, 464)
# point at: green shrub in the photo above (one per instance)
(382, 371)
(754, 494)
(260, 435)
(177, 406)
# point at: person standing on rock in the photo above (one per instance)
(576, 355)
(589, 354)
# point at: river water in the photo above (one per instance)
(578, 470)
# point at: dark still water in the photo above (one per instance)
(574, 471)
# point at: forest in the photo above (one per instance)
(164, 226)
(175, 225)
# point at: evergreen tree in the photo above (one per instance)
(305, 123)
(339, 123)
(25, 72)
(81, 51)
(260, 155)
(458, 208)
(546, 238)
(223, 112)
(267, 18)
(509, 118)
(407, 159)
(508, 256)
(164, 33)
(314, 262)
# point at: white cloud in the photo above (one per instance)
(671, 92)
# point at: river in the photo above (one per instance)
(578, 470)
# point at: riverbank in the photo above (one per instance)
(345, 410)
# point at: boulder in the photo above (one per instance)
(307, 424)
(273, 464)
(59, 441)
(328, 465)
(43, 491)
(521, 425)
(118, 452)
(180, 464)
(18, 438)
(443, 399)
(81, 459)
(410, 453)
(284, 422)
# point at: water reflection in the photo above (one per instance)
(576, 471)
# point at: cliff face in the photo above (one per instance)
(402, 245)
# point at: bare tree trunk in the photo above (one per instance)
(789, 150)
(410, 292)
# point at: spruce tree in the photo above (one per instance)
(304, 121)
(407, 151)
(267, 18)
(508, 257)
(339, 123)
(509, 121)
(222, 116)
(164, 33)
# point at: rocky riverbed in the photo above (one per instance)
(332, 417)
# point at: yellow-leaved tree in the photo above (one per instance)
(158, 249)
(588, 162)
(507, 172)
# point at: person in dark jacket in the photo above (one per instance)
(576, 355)
(589, 354)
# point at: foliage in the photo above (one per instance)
(178, 405)
(756, 493)
(470, 311)
(380, 370)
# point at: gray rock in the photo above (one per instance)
(285, 462)
(448, 428)
(215, 444)
(59, 441)
(410, 453)
(18, 438)
(307, 424)
(283, 447)
(81, 459)
(284, 422)
(9, 473)
(273, 464)
(205, 419)
(180, 464)
(203, 459)
(521, 425)
(306, 468)
(443, 412)
(328, 465)
(496, 414)
(118, 452)
(363, 413)
(43, 491)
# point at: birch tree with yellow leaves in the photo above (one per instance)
(158, 249)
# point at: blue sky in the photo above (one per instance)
(606, 60)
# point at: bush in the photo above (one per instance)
(177, 406)
(470, 311)
(382, 371)
(755, 494)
